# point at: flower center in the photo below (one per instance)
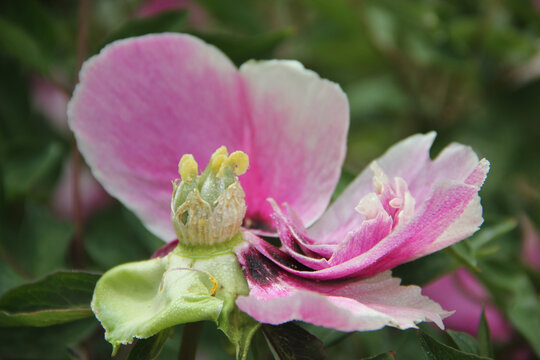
(393, 199)
(209, 208)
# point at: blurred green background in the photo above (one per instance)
(469, 70)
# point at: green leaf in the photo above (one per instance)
(42, 242)
(14, 101)
(26, 165)
(488, 234)
(465, 253)
(390, 355)
(48, 343)
(20, 45)
(464, 342)
(58, 298)
(149, 349)
(8, 276)
(484, 337)
(514, 293)
(167, 21)
(112, 237)
(290, 342)
(426, 269)
(434, 350)
(329, 337)
(259, 346)
(241, 48)
(237, 14)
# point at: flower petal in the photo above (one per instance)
(433, 226)
(405, 159)
(93, 197)
(462, 292)
(367, 304)
(530, 251)
(297, 141)
(455, 162)
(144, 102)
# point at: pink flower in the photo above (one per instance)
(196, 14)
(462, 292)
(143, 102)
(530, 251)
(51, 101)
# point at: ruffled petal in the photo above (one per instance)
(405, 159)
(455, 162)
(449, 213)
(144, 102)
(297, 140)
(367, 304)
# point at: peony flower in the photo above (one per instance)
(461, 291)
(144, 102)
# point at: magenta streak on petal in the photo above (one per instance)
(368, 304)
(294, 236)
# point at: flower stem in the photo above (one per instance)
(190, 340)
(82, 45)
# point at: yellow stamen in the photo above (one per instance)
(188, 168)
(240, 161)
(218, 162)
(221, 151)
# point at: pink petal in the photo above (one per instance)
(144, 102)
(463, 293)
(165, 249)
(443, 209)
(455, 162)
(294, 238)
(92, 195)
(52, 102)
(531, 243)
(405, 159)
(368, 304)
(297, 139)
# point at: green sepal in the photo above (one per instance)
(239, 328)
(192, 283)
(220, 261)
(139, 299)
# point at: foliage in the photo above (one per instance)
(464, 69)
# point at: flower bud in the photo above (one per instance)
(208, 209)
